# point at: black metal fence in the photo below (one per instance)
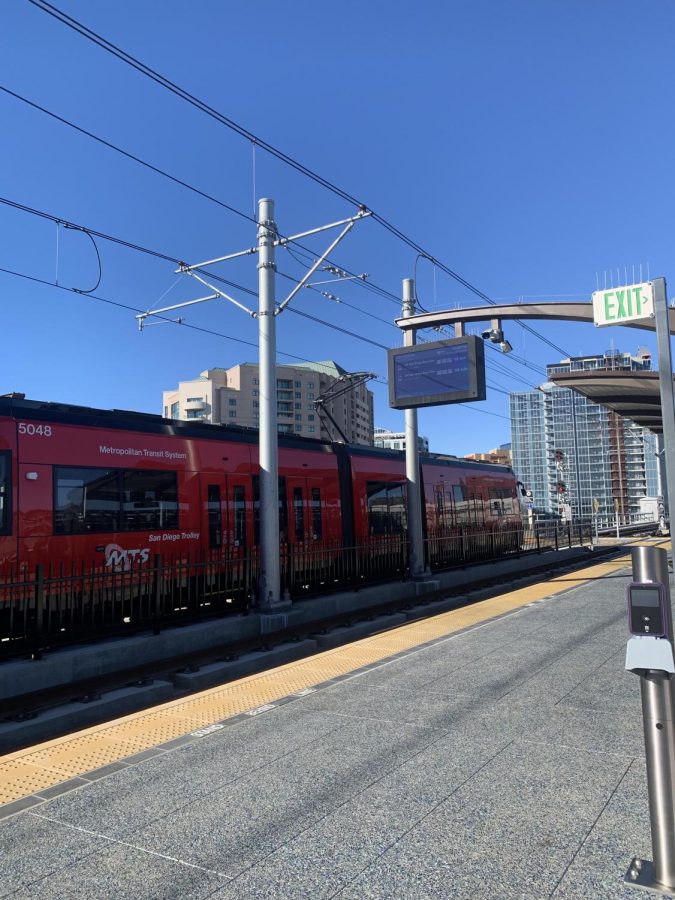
(61, 604)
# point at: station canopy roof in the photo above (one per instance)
(634, 395)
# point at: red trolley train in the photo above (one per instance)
(114, 489)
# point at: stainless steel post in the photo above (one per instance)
(269, 466)
(412, 455)
(616, 514)
(577, 465)
(661, 483)
(665, 385)
(650, 564)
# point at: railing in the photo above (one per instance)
(59, 605)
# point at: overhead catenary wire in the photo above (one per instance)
(129, 245)
(493, 366)
(213, 113)
(182, 323)
(128, 154)
(298, 251)
(158, 254)
(369, 285)
(98, 260)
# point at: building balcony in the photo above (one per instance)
(195, 403)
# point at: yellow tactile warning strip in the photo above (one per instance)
(37, 768)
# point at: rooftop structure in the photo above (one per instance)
(395, 440)
(500, 455)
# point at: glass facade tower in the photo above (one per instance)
(569, 451)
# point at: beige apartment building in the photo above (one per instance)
(500, 455)
(231, 396)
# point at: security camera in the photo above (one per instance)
(494, 335)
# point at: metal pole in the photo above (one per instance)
(665, 385)
(270, 578)
(616, 514)
(661, 483)
(412, 456)
(576, 457)
(650, 564)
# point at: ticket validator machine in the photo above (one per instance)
(649, 654)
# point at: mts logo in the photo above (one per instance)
(117, 557)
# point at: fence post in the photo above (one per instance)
(38, 623)
(157, 594)
(555, 528)
(536, 534)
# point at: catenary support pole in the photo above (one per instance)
(270, 587)
(412, 456)
(666, 389)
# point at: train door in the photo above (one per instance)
(228, 521)
(306, 564)
(229, 576)
(307, 510)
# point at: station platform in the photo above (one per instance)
(494, 750)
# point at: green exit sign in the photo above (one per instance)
(620, 305)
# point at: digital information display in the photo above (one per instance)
(451, 371)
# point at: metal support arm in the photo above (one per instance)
(303, 281)
(222, 294)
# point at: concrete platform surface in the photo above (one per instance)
(505, 761)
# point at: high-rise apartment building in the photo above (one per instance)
(569, 451)
(232, 396)
(395, 440)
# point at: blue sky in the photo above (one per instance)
(527, 145)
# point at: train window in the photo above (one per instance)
(214, 515)
(283, 511)
(386, 508)
(439, 508)
(239, 506)
(5, 492)
(476, 509)
(149, 500)
(98, 500)
(501, 501)
(317, 525)
(86, 500)
(298, 514)
(461, 504)
(443, 509)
